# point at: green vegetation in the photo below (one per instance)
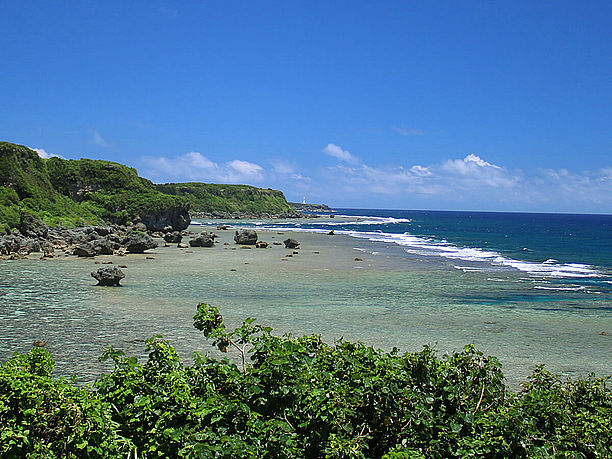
(73, 192)
(217, 199)
(298, 397)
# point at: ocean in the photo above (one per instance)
(528, 288)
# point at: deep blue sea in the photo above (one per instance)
(567, 252)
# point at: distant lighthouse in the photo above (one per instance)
(304, 200)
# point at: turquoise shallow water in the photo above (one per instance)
(391, 298)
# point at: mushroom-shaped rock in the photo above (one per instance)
(291, 244)
(173, 237)
(203, 239)
(138, 242)
(246, 237)
(108, 276)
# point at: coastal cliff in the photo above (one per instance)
(85, 191)
(231, 201)
(74, 192)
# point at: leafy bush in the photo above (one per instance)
(45, 417)
(300, 397)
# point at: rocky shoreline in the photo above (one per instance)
(33, 236)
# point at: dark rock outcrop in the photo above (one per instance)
(176, 217)
(84, 250)
(138, 242)
(291, 243)
(246, 237)
(109, 276)
(32, 227)
(204, 239)
(173, 237)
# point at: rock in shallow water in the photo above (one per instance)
(246, 237)
(109, 276)
(204, 239)
(138, 242)
(291, 244)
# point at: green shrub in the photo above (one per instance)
(299, 397)
(46, 417)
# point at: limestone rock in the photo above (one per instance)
(291, 243)
(109, 276)
(246, 237)
(138, 242)
(204, 239)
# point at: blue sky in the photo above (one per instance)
(415, 105)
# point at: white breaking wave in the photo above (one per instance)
(429, 247)
(367, 221)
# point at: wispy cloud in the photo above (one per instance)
(403, 130)
(195, 166)
(472, 181)
(338, 153)
(98, 139)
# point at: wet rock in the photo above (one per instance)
(204, 239)
(261, 245)
(223, 227)
(139, 227)
(358, 259)
(246, 237)
(173, 237)
(331, 233)
(138, 242)
(84, 250)
(30, 245)
(109, 276)
(102, 247)
(291, 244)
(182, 245)
(39, 343)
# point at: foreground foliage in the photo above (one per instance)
(298, 397)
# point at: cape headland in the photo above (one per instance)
(91, 192)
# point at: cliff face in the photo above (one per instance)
(81, 191)
(231, 200)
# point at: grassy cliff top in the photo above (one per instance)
(237, 199)
(73, 192)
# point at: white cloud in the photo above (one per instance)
(339, 153)
(245, 167)
(472, 182)
(470, 165)
(98, 139)
(194, 166)
(402, 130)
(420, 171)
(43, 154)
